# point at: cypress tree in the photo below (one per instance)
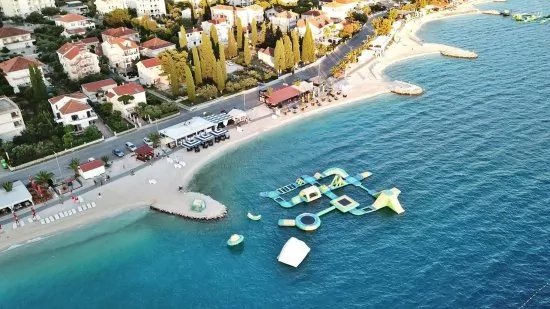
(263, 32)
(279, 57)
(220, 80)
(254, 33)
(207, 57)
(295, 46)
(183, 38)
(221, 53)
(173, 75)
(308, 47)
(189, 84)
(247, 55)
(37, 83)
(232, 51)
(214, 35)
(197, 66)
(239, 34)
(289, 56)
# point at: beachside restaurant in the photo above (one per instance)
(285, 95)
(17, 198)
(379, 44)
(144, 153)
(194, 133)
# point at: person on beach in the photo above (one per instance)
(99, 195)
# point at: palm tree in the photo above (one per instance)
(155, 138)
(43, 177)
(105, 160)
(74, 164)
(125, 98)
(8, 186)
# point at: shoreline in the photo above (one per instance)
(141, 190)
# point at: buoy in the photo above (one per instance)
(235, 239)
(253, 217)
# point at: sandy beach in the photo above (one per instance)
(118, 196)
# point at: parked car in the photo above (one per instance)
(119, 153)
(130, 146)
(91, 159)
(148, 142)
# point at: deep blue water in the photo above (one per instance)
(470, 157)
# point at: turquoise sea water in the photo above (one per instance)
(470, 157)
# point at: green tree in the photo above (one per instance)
(214, 35)
(8, 186)
(155, 138)
(197, 66)
(37, 84)
(221, 53)
(220, 79)
(247, 54)
(239, 34)
(73, 165)
(208, 60)
(295, 47)
(263, 32)
(253, 33)
(190, 84)
(289, 55)
(279, 56)
(308, 46)
(68, 140)
(183, 38)
(125, 99)
(105, 160)
(117, 18)
(43, 177)
(173, 77)
(232, 51)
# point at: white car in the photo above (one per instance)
(130, 146)
(148, 142)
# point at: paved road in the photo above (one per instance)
(106, 147)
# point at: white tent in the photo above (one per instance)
(294, 252)
(238, 115)
(19, 194)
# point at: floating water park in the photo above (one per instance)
(311, 189)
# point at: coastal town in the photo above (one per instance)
(186, 80)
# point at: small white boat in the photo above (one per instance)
(253, 217)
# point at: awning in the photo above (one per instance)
(191, 143)
(238, 115)
(219, 118)
(218, 133)
(205, 137)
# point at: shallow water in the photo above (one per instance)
(470, 157)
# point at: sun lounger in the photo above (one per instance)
(22, 222)
(51, 218)
(93, 204)
(42, 221)
(14, 225)
(56, 216)
(38, 217)
(73, 211)
(88, 205)
(84, 207)
(47, 220)
(79, 209)
(61, 215)
(66, 213)
(30, 220)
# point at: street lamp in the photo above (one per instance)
(58, 166)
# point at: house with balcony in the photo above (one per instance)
(223, 11)
(154, 8)
(106, 6)
(155, 46)
(24, 7)
(73, 109)
(120, 32)
(74, 24)
(11, 120)
(194, 37)
(16, 71)
(151, 74)
(222, 28)
(339, 9)
(248, 13)
(125, 98)
(95, 91)
(77, 60)
(14, 38)
(321, 27)
(120, 53)
(285, 20)
(75, 7)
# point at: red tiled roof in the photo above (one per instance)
(92, 40)
(18, 64)
(71, 18)
(317, 22)
(74, 95)
(286, 14)
(122, 43)
(268, 51)
(283, 94)
(71, 50)
(222, 7)
(92, 165)
(73, 106)
(143, 150)
(346, 1)
(7, 32)
(119, 32)
(130, 89)
(156, 43)
(149, 63)
(314, 13)
(95, 86)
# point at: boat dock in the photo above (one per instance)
(193, 206)
(404, 88)
(458, 53)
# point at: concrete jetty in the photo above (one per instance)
(458, 53)
(404, 88)
(491, 12)
(182, 207)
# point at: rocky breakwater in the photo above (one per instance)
(403, 88)
(458, 53)
(189, 207)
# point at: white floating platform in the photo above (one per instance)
(294, 252)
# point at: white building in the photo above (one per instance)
(74, 24)
(73, 109)
(222, 28)
(15, 38)
(285, 20)
(19, 195)
(155, 46)
(247, 14)
(24, 7)
(120, 53)
(223, 11)
(151, 73)
(91, 169)
(339, 8)
(319, 26)
(77, 60)
(135, 91)
(240, 2)
(11, 120)
(75, 7)
(194, 37)
(143, 7)
(120, 32)
(266, 56)
(16, 71)
(96, 91)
